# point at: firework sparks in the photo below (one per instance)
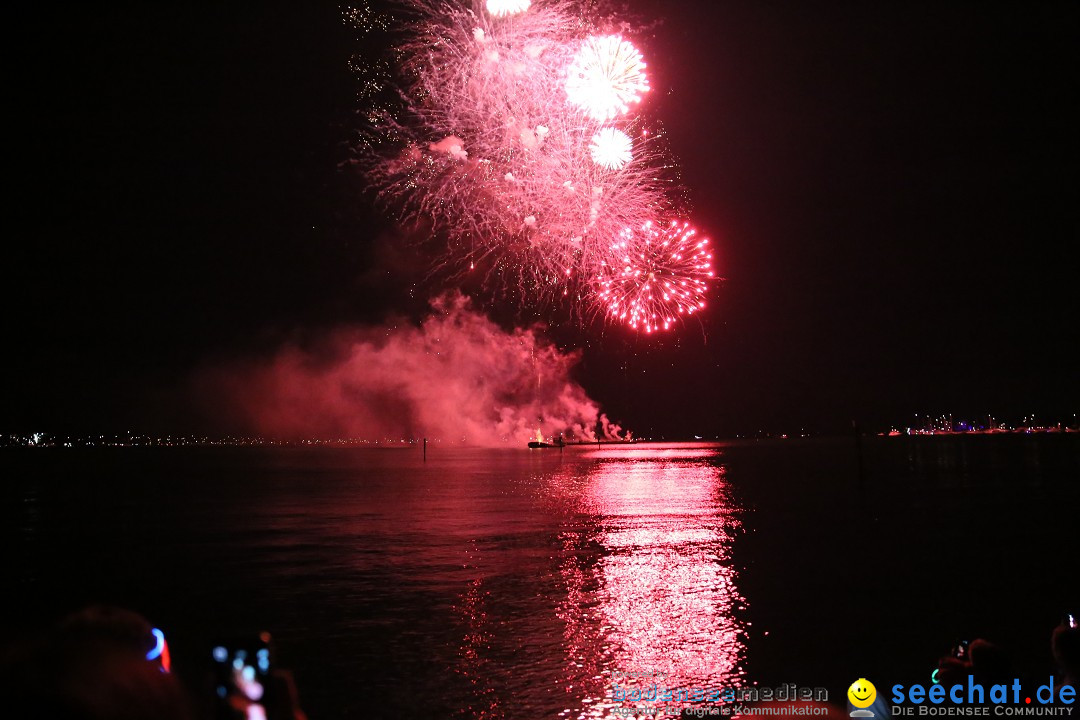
(497, 134)
(502, 8)
(606, 75)
(610, 148)
(656, 275)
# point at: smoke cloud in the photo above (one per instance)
(456, 377)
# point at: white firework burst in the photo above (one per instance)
(502, 8)
(606, 75)
(611, 148)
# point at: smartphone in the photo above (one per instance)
(241, 672)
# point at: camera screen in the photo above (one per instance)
(240, 678)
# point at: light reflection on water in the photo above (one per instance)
(660, 596)
(510, 583)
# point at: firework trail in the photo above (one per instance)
(509, 130)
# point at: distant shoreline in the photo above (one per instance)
(40, 440)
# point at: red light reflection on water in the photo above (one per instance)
(659, 593)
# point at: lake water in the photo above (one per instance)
(524, 584)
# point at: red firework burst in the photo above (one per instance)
(656, 275)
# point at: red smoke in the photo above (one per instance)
(457, 377)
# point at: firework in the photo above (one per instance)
(655, 275)
(498, 159)
(501, 134)
(610, 148)
(502, 8)
(606, 75)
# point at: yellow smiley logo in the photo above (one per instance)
(862, 693)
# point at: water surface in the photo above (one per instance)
(515, 583)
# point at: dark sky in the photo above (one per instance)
(891, 188)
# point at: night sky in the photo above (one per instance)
(891, 188)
